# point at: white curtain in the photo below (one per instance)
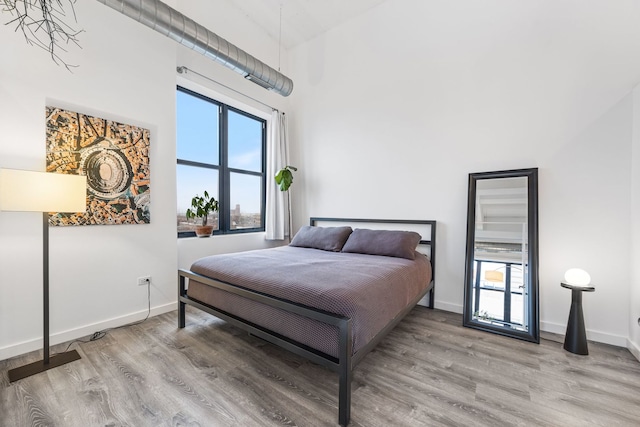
(277, 215)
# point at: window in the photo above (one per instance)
(498, 296)
(220, 149)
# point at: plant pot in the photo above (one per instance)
(204, 230)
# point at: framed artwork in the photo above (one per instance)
(115, 159)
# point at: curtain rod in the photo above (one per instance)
(183, 70)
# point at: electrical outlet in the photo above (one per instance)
(144, 280)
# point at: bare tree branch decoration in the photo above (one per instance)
(42, 23)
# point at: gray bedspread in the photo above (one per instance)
(369, 289)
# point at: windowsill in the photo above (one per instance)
(192, 235)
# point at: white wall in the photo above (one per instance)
(634, 299)
(584, 211)
(395, 108)
(93, 268)
(126, 72)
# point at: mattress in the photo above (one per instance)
(369, 289)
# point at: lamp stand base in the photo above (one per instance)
(39, 366)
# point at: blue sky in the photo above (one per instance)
(197, 133)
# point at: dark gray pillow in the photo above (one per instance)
(325, 238)
(400, 244)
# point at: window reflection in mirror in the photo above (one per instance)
(499, 285)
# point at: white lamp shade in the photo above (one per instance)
(30, 191)
(577, 277)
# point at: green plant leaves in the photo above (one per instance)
(202, 207)
(284, 177)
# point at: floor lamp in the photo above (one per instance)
(29, 191)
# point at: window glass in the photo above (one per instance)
(246, 201)
(245, 142)
(197, 129)
(194, 181)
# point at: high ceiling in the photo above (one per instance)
(302, 20)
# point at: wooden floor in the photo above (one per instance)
(429, 371)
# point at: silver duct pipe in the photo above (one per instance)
(173, 24)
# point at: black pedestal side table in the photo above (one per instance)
(575, 339)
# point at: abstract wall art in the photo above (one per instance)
(115, 159)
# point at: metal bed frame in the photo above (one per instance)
(346, 361)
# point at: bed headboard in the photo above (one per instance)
(426, 229)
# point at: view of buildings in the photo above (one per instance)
(239, 220)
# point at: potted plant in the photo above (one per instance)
(201, 207)
(284, 179)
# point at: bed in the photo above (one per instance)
(330, 296)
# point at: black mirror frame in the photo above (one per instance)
(533, 334)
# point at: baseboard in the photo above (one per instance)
(634, 349)
(72, 334)
(555, 328)
(454, 308)
(447, 306)
(83, 331)
(603, 337)
(559, 329)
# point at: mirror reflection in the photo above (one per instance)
(500, 252)
(500, 293)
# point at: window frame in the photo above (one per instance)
(224, 171)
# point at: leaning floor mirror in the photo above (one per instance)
(501, 273)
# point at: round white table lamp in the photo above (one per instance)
(575, 339)
(577, 277)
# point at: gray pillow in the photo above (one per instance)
(325, 238)
(400, 244)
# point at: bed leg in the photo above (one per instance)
(344, 404)
(431, 294)
(344, 392)
(181, 306)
